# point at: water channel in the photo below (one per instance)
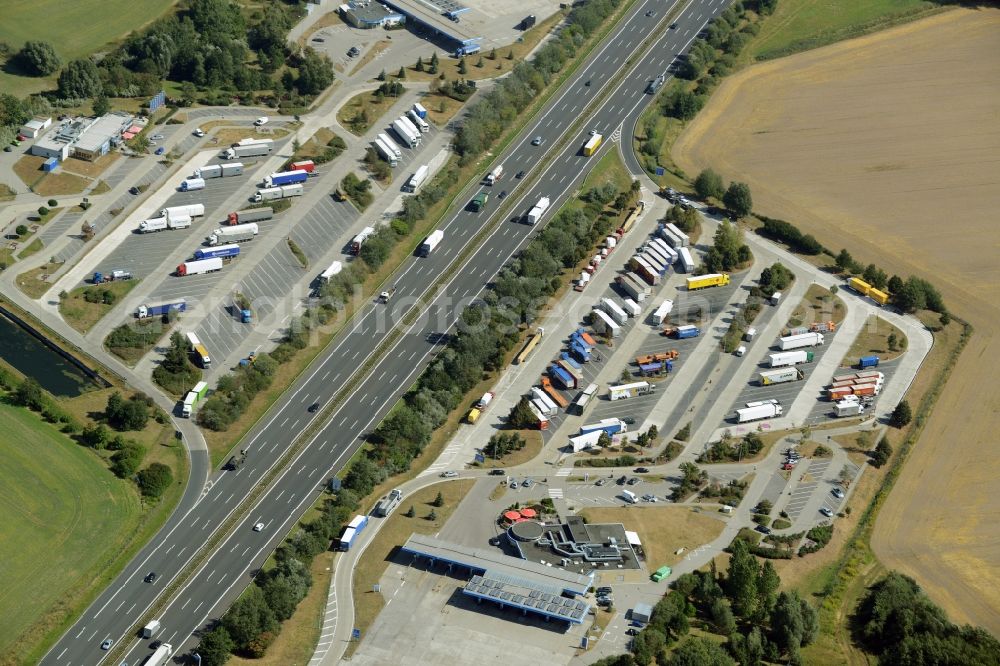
(32, 357)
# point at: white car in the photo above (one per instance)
(258, 527)
(450, 474)
(261, 121)
(199, 132)
(826, 512)
(157, 137)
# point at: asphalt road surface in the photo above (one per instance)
(226, 571)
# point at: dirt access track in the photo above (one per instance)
(889, 145)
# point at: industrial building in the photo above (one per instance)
(520, 584)
(34, 127)
(442, 19)
(576, 545)
(366, 15)
(85, 138)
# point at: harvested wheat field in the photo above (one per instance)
(889, 145)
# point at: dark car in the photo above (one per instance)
(634, 480)
(520, 174)
(151, 577)
(632, 631)
(673, 26)
(642, 470)
(628, 420)
(161, 150)
(353, 51)
(503, 194)
(601, 591)
(133, 190)
(763, 530)
(497, 472)
(621, 480)
(314, 407)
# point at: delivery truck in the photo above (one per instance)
(662, 312)
(420, 110)
(146, 311)
(705, 281)
(632, 308)
(801, 340)
(161, 223)
(192, 184)
(783, 359)
(283, 192)
(542, 399)
(757, 411)
(780, 376)
(537, 211)
(286, 178)
(387, 504)
(431, 242)
(219, 170)
(189, 210)
(417, 179)
(682, 332)
(868, 362)
(493, 176)
(303, 165)
(562, 377)
(151, 629)
(200, 267)
(241, 233)
(408, 137)
(848, 408)
(360, 239)
(328, 274)
(592, 144)
(227, 251)
(250, 215)
(612, 426)
(686, 260)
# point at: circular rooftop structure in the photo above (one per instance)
(526, 530)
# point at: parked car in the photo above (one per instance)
(450, 474)
(634, 480)
(526, 483)
(497, 472)
(603, 590)
(263, 120)
(353, 51)
(157, 137)
(673, 26)
(318, 39)
(602, 482)
(826, 512)
(503, 194)
(199, 132)
(133, 190)
(763, 530)
(641, 470)
(160, 150)
(788, 466)
(838, 493)
(513, 485)
(622, 480)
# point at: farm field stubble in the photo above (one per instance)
(888, 145)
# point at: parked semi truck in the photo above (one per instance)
(188, 210)
(780, 376)
(193, 397)
(593, 143)
(417, 179)
(614, 311)
(411, 128)
(685, 259)
(146, 311)
(385, 152)
(418, 122)
(755, 411)
(210, 171)
(529, 346)
(250, 215)
(554, 393)
(409, 138)
(612, 426)
(709, 280)
(260, 148)
(604, 324)
(113, 276)
(390, 144)
(662, 312)
(386, 505)
(198, 349)
(161, 223)
(562, 376)
(431, 242)
(303, 165)
(634, 286)
(199, 267)
(360, 239)
(328, 274)
(782, 359)
(629, 390)
(240, 233)
(286, 178)
(493, 176)
(222, 251)
(798, 341)
(537, 211)
(283, 192)
(682, 332)
(192, 184)
(419, 109)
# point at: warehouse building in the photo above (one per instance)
(367, 15)
(34, 127)
(85, 138)
(442, 19)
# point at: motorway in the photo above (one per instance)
(224, 573)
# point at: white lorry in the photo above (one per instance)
(535, 214)
(283, 192)
(161, 223)
(239, 233)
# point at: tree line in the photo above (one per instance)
(489, 118)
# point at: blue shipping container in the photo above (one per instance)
(868, 362)
(577, 337)
(569, 359)
(580, 352)
(688, 332)
(50, 164)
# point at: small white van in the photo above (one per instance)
(629, 496)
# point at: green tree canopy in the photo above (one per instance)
(38, 58)
(80, 79)
(738, 200)
(709, 184)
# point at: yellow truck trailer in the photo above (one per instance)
(593, 143)
(709, 280)
(529, 346)
(859, 285)
(878, 296)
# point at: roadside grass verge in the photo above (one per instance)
(818, 306)
(35, 282)
(82, 314)
(873, 339)
(362, 111)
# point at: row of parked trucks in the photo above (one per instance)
(861, 287)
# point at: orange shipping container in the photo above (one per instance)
(554, 393)
(838, 393)
(865, 389)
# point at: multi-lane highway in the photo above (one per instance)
(224, 572)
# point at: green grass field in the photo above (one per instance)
(65, 518)
(75, 28)
(798, 25)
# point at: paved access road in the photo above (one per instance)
(224, 574)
